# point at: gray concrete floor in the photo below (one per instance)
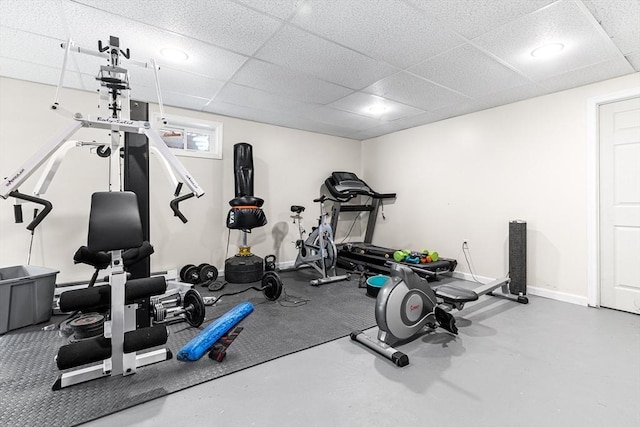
(547, 363)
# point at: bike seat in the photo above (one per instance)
(452, 294)
(297, 209)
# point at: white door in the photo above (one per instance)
(619, 179)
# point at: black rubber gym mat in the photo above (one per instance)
(274, 329)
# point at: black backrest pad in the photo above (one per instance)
(243, 168)
(114, 221)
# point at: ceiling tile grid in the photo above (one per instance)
(374, 106)
(282, 9)
(146, 42)
(470, 71)
(34, 72)
(310, 54)
(621, 21)
(388, 30)
(412, 90)
(325, 65)
(255, 98)
(39, 17)
(564, 22)
(285, 82)
(473, 18)
(223, 24)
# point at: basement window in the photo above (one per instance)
(191, 137)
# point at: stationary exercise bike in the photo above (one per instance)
(318, 250)
(407, 305)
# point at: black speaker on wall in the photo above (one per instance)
(518, 257)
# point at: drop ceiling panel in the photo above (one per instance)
(189, 84)
(594, 73)
(389, 30)
(277, 79)
(361, 103)
(36, 73)
(621, 20)
(344, 119)
(222, 23)
(144, 93)
(273, 117)
(386, 127)
(473, 18)
(40, 17)
(282, 9)
(412, 90)
(254, 98)
(317, 65)
(310, 54)
(634, 60)
(562, 22)
(515, 94)
(459, 109)
(184, 101)
(203, 58)
(469, 71)
(29, 47)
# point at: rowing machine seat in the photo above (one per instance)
(452, 294)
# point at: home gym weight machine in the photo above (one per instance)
(116, 223)
(318, 250)
(407, 306)
(114, 79)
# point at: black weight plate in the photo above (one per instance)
(271, 286)
(194, 308)
(85, 320)
(183, 272)
(192, 275)
(216, 286)
(208, 273)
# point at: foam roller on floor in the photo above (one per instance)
(202, 342)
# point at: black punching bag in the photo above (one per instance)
(518, 257)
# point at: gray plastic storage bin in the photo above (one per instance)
(26, 296)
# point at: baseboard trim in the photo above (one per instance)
(531, 290)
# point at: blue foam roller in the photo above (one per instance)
(201, 343)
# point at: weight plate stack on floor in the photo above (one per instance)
(243, 269)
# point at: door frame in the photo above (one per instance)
(593, 185)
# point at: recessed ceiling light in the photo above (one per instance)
(377, 109)
(547, 50)
(174, 54)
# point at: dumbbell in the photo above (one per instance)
(201, 274)
(190, 308)
(270, 286)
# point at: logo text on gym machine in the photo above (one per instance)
(115, 120)
(11, 180)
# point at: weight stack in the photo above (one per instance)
(518, 257)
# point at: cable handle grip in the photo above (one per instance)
(17, 213)
(384, 195)
(174, 204)
(100, 48)
(45, 203)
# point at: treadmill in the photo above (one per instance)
(364, 256)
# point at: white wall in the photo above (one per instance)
(289, 164)
(467, 177)
(462, 178)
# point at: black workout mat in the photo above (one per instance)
(274, 329)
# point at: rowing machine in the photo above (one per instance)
(407, 304)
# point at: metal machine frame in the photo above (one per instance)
(318, 250)
(115, 79)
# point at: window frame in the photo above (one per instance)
(190, 124)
